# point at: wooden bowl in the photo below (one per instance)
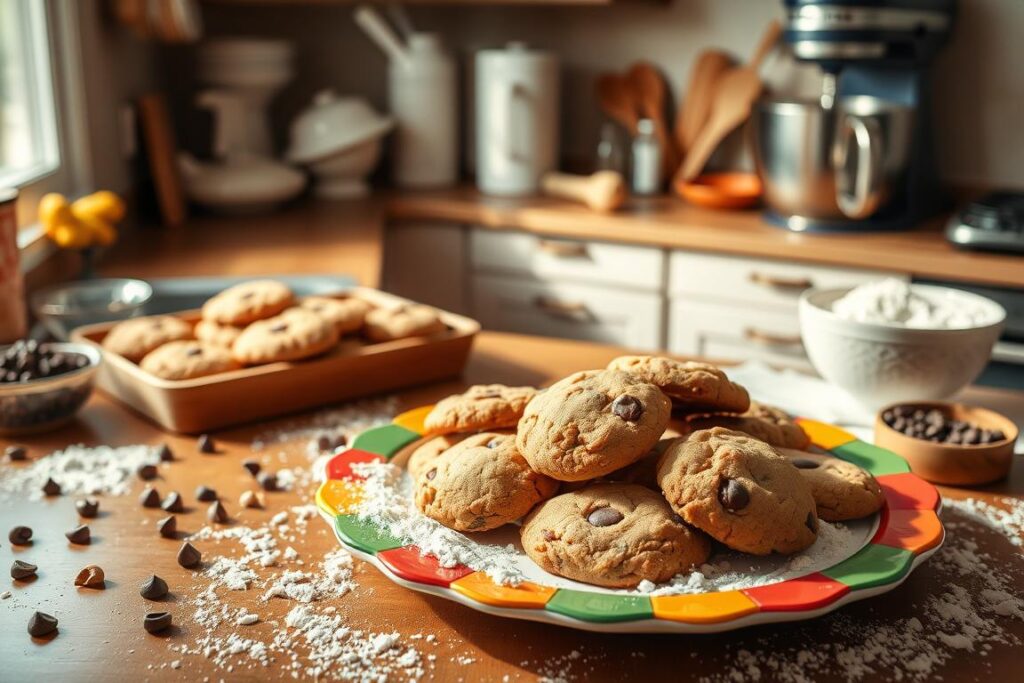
(721, 190)
(957, 465)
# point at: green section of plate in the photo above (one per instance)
(600, 607)
(364, 535)
(877, 461)
(385, 440)
(873, 565)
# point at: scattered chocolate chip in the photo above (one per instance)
(217, 513)
(205, 494)
(205, 444)
(628, 408)
(91, 577)
(431, 473)
(326, 442)
(811, 522)
(188, 556)
(267, 481)
(173, 503)
(153, 588)
(51, 488)
(15, 453)
(80, 535)
(168, 526)
(41, 624)
(150, 498)
(20, 535)
(804, 463)
(605, 517)
(252, 466)
(165, 453)
(251, 499)
(157, 621)
(733, 495)
(146, 472)
(87, 507)
(23, 570)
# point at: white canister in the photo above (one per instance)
(424, 102)
(517, 92)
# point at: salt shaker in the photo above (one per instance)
(646, 160)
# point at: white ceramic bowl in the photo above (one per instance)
(342, 175)
(333, 124)
(879, 364)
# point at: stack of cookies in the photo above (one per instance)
(259, 322)
(609, 493)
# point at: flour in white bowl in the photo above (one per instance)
(894, 302)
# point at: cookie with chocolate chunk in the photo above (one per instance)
(188, 359)
(483, 406)
(408, 320)
(347, 314)
(136, 337)
(693, 387)
(841, 490)
(768, 423)
(248, 302)
(293, 335)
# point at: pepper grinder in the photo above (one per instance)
(646, 176)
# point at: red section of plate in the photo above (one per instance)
(908, 492)
(410, 565)
(340, 466)
(913, 530)
(797, 595)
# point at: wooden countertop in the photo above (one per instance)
(669, 222)
(101, 636)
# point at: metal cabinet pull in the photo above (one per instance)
(766, 280)
(768, 339)
(563, 249)
(573, 310)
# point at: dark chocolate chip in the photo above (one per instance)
(165, 453)
(51, 488)
(80, 535)
(150, 498)
(157, 621)
(279, 327)
(476, 523)
(15, 453)
(91, 577)
(253, 466)
(20, 535)
(87, 507)
(324, 443)
(146, 472)
(205, 444)
(628, 408)
(41, 624)
(217, 513)
(188, 556)
(168, 526)
(153, 588)
(431, 473)
(733, 495)
(267, 481)
(811, 522)
(194, 351)
(804, 463)
(22, 570)
(173, 503)
(205, 494)
(605, 517)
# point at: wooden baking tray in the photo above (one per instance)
(353, 369)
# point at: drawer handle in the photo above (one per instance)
(768, 339)
(572, 310)
(563, 249)
(766, 280)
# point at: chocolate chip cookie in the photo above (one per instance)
(481, 485)
(693, 387)
(740, 491)
(217, 334)
(483, 406)
(188, 359)
(764, 422)
(248, 302)
(614, 535)
(841, 490)
(409, 320)
(428, 451)
(345, 314)
(136, 337)
(591, 423)
(295, 334)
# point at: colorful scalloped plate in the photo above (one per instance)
(905, 533)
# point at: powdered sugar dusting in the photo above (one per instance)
(81, 470)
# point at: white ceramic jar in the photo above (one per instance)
(517, 93)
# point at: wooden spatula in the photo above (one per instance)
(735, 95)
(615, 96)
(649, 93)
(700, 92)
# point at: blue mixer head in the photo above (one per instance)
(837, 33)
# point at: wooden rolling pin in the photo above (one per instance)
(601, 191)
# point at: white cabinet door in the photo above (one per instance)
(574, 311)
(426, 262)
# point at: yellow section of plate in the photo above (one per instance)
(413, 419)
(339, 497)
(707, 608)
(824, 435)
(478, 586)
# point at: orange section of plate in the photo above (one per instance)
(478, 586)
(339, 497)
(413, 419)
(824, 435)
(913, 530)
(708, 608)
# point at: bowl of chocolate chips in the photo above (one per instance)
(949, 443)
(43, 385)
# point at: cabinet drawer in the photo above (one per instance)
(757, 282)
(571, 260)
(574, 311)
(735, 333)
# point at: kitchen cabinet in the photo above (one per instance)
(425, 261)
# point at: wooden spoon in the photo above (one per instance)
(615, 97)
(694, 110)
(649, 93)
(735, 95)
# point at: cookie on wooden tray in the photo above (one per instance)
(483, 406)
(188, 359)
(591, 423)
(136, 337)
(740, 491)
(293, 335)
(408, 320)
(768, 423)
(247, 302)
(428, 451)
(614, 535)
(481, 484)
(841, 490)
(694, 387)
(217, 334)
(345, 314)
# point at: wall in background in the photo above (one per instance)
(979, 88)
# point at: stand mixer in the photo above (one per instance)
(861, 158)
